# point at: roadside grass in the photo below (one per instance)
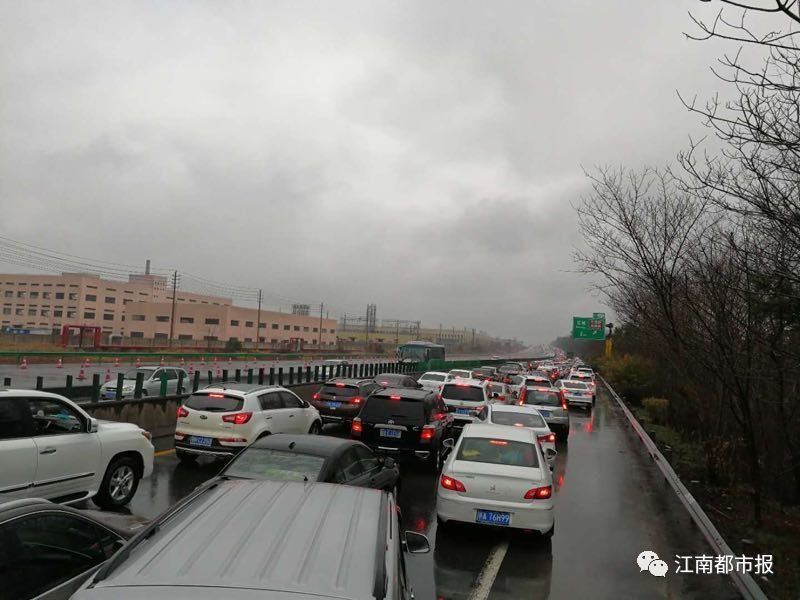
(730, 509)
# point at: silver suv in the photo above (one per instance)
(151, 385)
(265, 539)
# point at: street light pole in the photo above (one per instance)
(319, 339)
(258, 322)
(174, 300)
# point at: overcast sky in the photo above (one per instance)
(415, 154)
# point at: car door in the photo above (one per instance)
(373, 473)
(153, 385)
(172, 382)
(297, 413)
(68, 457)
(17, 449)
(50, 554)
(350, 471)
(272, 413)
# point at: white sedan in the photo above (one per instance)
(497, 475)
(432, 380)
(514, 415)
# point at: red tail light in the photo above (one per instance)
(438, 396)
(316, 396)
(339, 385)
(356, 428)
(182, 412)
(455, 485)
(427, 433)
(501, 398)
(355, 400)
(238, 419)
(540, 493)
(563, 400)
(550, 437)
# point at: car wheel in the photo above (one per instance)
(186, 457)
(119, 483)
(316, 428)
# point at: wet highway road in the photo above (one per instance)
(611, 504)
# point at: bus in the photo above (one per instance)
(416, 352)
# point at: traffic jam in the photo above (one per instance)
(486, 437)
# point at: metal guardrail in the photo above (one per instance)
(746, 585)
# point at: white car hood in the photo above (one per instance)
(116, 426)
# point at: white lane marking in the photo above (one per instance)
(489, 572)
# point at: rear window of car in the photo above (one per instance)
(516, 419)
(542, 398)
(348, 391)
(458, 373)
(389, 378)
(498, 452)
(381, 408)
(431, 377)
(483, 372)
(462, 392)
(214, 402)
(574, 385)
(539, 382)
(275, 465)
(497, 387)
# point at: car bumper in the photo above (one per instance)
(148, 454)
(226, 452)
(345, 413)
(421, 454)
(580, 401)
(537, 515)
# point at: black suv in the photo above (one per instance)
(406, 422)
(397, 380)
(339, 400)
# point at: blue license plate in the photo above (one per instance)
(109, 395)
(462, 411)
(391, 433)
(544, 413)
(334, 404)
(491, 517)
(201, 441)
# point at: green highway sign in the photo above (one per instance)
(589, 328)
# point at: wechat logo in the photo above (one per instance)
(649, 561)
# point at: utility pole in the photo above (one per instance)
(397, 333)
(319, 341)
(258, 322)
(174, 301)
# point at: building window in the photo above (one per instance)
(58, 313)
(331, 331)
(9, 294)
(262, 325)
(126, 301)
(305, 328)
(275, 326)
(137, 317)
(34, 295)
(262, 339)
(287, 327)
(187, 319)
(88, 315)
(59, 295)
(31, 312)
(46, 295)
(248, 339)
(137, 334)
(22, 294)
(248, 323)
(71, 314)
(6, 311)
(315, 330)
(235, 323)
(273, 341)
(212, 322)
(184, 336)
(73, 295)
(108, 317)
(45, 313)
(160, 336)
(111, 300)
(162, 318)
(91, 298)
(210, 338)
(314, 342)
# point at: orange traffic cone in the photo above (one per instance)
(182, 363)
(81, 375)
(138, 362)
(191, 369)
(116, 362)
(230, 360)
(202, 361)
(58, 364)
(162, 362)
(108, 375)
(24, 364)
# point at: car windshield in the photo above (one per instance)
(334, 389)
(462, 392)
(432, 377)
(539, 382)
(542, 398)
(516, 419)
(498, 452)
(382, 408)
(574, 385)
(132, 373)
(482, 372)
(275, 465)
(497, 387)
(214, 402)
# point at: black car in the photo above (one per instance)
(339, 400)
(488, 373)
(284, 457)
(405, 422)
(397, 380)
(51, 549)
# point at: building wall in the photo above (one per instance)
(142, 307)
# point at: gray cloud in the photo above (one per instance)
(419, 155)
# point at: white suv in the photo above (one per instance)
(50, 448)
(464, 399)
(220, 420)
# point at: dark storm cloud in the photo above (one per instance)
(419, 155)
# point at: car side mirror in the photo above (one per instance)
(389, 463)
(416, 543)
(449, 443)
(91, 425)
(550, 452)
(495, 395)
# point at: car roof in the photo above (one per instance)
(407, 393)
(504, 432)
(468, 382)
(434, 373)
(238, 388)
(389, 374)
(347, 380)
(318, 445)
(462, 370)
(305, 538)
(514, 408)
